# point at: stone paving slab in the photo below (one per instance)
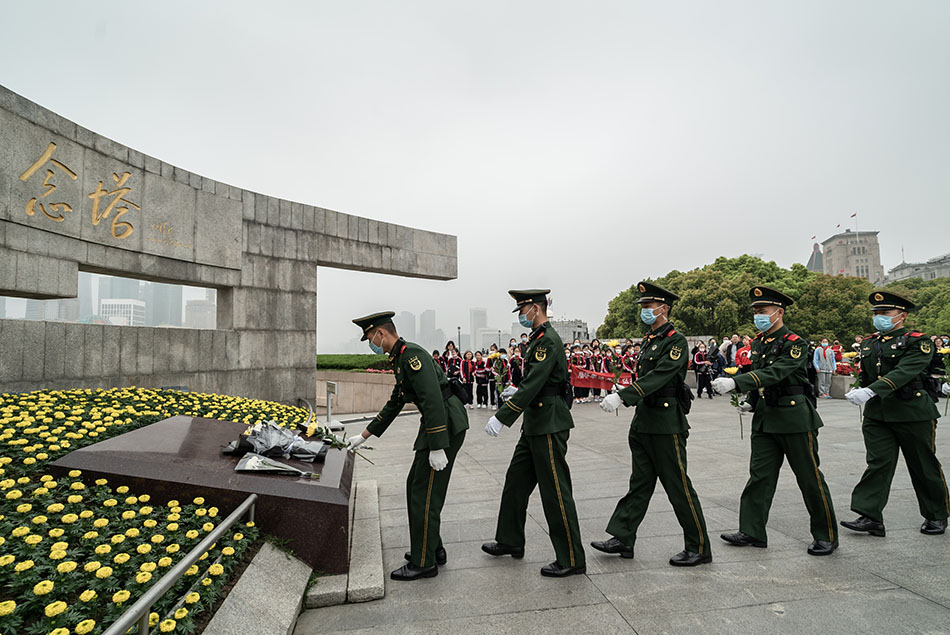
(897, 584)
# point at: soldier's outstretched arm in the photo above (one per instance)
(388, 413)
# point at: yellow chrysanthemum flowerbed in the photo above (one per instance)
(75, 554)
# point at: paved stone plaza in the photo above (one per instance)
(897, 584)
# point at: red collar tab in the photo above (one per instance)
(403, 349)
(792, 337)
(916, 334)
(671, 333)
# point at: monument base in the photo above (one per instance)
(180, 458)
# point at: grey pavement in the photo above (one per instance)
(897, 584)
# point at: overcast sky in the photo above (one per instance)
(577, 146)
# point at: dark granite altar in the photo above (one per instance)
(180, 458)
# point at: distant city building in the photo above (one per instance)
(123, 312)
(570, 330)
(200, 314)
(934, 268)
(41, 310)
(115, 288)
(68, 310)
(815, 259)
(853, 254)
(406, 325)
(86, 306)
(3, 307)
(162, 304)
(478, 320)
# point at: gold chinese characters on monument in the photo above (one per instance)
(106, 202)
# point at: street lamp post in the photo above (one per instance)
(458, 341)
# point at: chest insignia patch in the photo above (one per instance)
(796, 352)
(925, 348)
(675, 352)
(415, 363)
(540, 353)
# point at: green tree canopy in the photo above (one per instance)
(932, 298)
(714, 300)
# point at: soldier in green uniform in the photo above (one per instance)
(785, 425)
(441, 433)
(898, 414)
(539, 458)
(657, 436)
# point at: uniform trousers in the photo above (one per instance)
(425, 495)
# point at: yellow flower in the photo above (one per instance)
(101, 481)
(66, 567)
(86, 513)
(20, 531)
(103, 549)
(144, 548)
(122, 489)
(54, 533)
(54, 609)
(75, 498)
(201, 511)
(199, 501)
(100, 522)
(216, 569)
(731, 370)
(174, 517)
(153, 619)
(172, 503)
(59, 631)
(59, 554)
(38, 520)
(7, 607)
(150, 523)
(23, 566)
(24, 508)
(33, 540)
(91, 566)
(172, 548)
(129, 515)
(6, 559)
(116, 539)
(206, 582)
(14, 494)
(192, 570)
(29, 460)
(144, 498)
(131, 500)
(85, 626)
(89, 535)
(239, 536)
(212, 511)
(121, 558)
(192, 597)
(143, 576)
(42, 588)
(59, 546)
(69, 518)
(88, 595)
(110, 502)
(191, 534)
(172, 527)
(167, 626)
(208, 526)
(39, 491)
(132, 532)
(181, 613)
(77, 486)
(145, 511)
(120, 596)
(157, 538)
(103, 573)
(164, 561)
(228, 551)
(74, 473)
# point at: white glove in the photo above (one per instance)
(355, 441)
(493, 427)
(945, 389)
(744, 407)
(611, 402)
(508, 392)
(859, 396)
(437, 460)
(724, 384)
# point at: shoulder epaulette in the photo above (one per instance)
(757, 335)
(917, 334)
(792, 337)
(671, 333)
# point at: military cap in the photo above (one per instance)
(881, 299)
(375, 320)
(762, 296)
(651, 293)
(528, 296)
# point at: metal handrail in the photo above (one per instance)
(140, 610)
(304, 426)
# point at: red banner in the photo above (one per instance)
(583, 378)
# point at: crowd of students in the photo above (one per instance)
(486, 373)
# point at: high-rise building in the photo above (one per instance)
(162, 304)
(427, 334)
(115, 288)
(406, 325)
(40, 310)
(855, 254)
(479, 320)
(200, 314)
(3, 307)
(86, 306)
(123, 312)
(67, 310)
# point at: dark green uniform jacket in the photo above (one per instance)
(420, 381)
(892, 365)
(779, 383)
(661, 369)
(539, 393)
